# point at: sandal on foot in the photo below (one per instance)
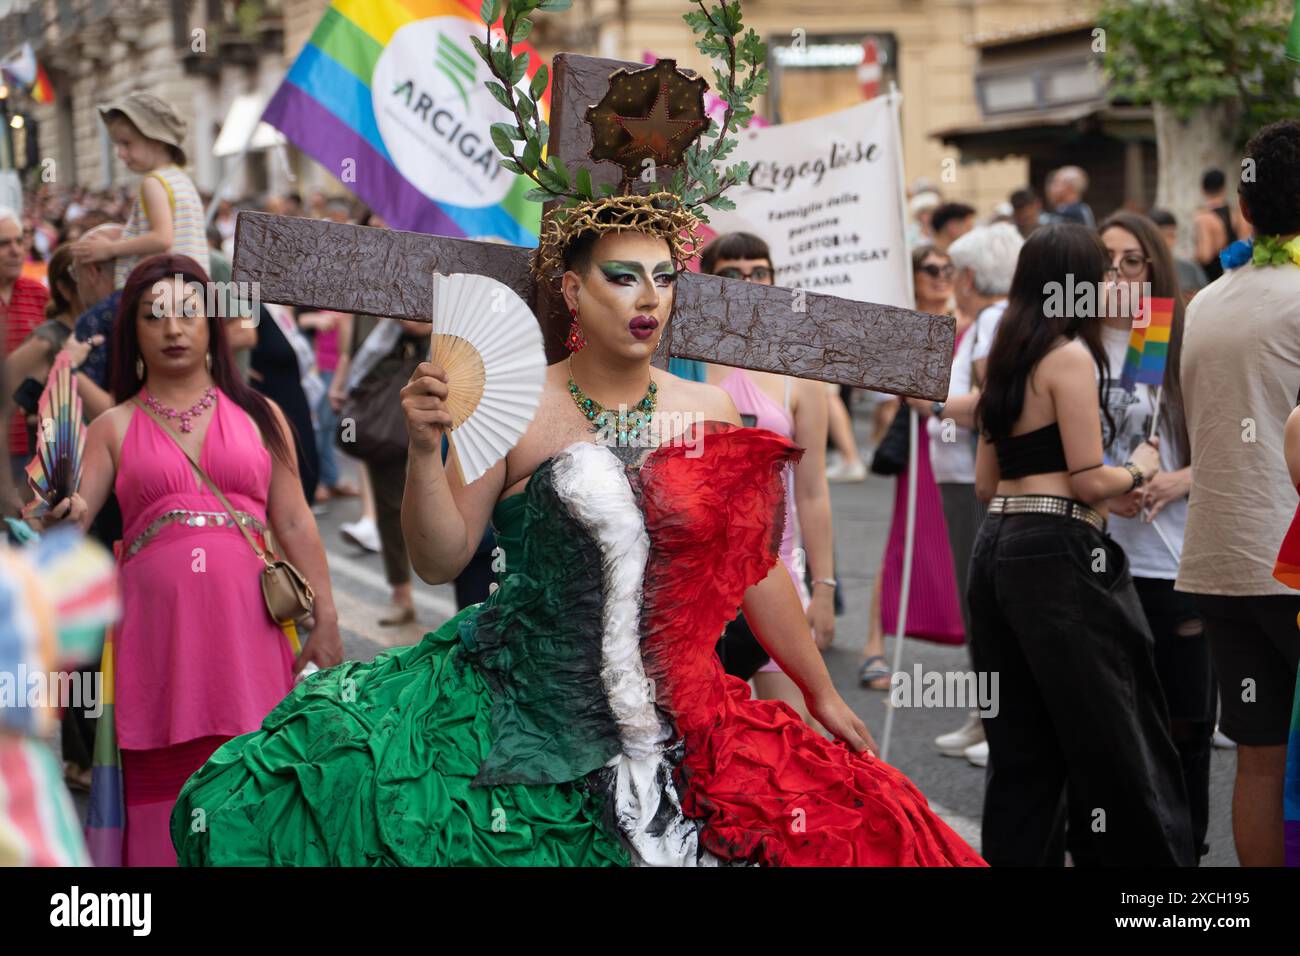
(874, 668)
(404, 615)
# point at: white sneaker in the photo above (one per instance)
(1222, 742)
(844, 471)
(978, 754)
(364, 534)
(958, 742)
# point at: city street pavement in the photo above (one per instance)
(861, 520)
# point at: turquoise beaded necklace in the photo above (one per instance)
(630, 426)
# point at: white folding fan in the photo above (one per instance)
(490, 344)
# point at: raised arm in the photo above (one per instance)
(443, 519)
(1071, 377)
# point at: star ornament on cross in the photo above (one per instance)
(657, 133)
(654, 112)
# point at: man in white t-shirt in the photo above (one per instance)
(984, 261)
(1241, 374)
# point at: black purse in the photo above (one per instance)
(372, 426)
(890, 457)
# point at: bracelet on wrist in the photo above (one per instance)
(1139, 477)
(829, 582)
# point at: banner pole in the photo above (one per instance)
(905, 592)
(896, 102)
(909, 542)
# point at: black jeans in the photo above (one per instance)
(1186, 670)
(1186, 673)
(1079, 707)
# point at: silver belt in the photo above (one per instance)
(194, 519)
(1046, 505)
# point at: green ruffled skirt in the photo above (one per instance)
(372, 764)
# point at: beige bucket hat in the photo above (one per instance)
(153, 116)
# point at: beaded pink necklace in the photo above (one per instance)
(198, 408)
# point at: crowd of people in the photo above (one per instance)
(1113, 544)
(1104, 548)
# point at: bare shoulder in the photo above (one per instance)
(1071, 357)
(808, 391)
(1293, 424)
(278, 413)
(113, 420)
(707, 402)
(109, 428)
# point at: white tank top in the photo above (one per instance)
(188, 238)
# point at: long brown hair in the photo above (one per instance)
(126, 347)
(1029, 329)
(1164, 285)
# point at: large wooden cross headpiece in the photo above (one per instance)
(345, 268)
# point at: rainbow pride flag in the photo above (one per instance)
(1287, 570)
(388, 95)
(1148, 345)
(42, 91)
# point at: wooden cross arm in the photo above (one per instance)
(808, 335)
(318, 264)
(326, 265)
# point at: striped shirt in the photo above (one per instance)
(19, 316)
(188, 231)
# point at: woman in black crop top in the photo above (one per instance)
(1053, 609)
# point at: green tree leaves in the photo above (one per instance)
(739, 80)
(1188, 54)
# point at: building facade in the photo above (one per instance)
(197, 54)
(823, 56)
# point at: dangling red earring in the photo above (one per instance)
(576, 341)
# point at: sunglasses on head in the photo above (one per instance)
(756, 274)
(938, 272)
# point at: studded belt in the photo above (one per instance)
(1046, 505)
(193, 519)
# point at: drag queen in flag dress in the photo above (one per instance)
(580, 715)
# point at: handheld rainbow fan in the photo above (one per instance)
(490, 344)
(54, 472)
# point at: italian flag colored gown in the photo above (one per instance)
(577, 717)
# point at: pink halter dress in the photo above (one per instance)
(752, 400)
(197, 657)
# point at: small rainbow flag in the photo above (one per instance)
(1287, 568)
(1148, 345)
(388, 95)
(42, 90)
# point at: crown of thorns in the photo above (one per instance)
(658, 214)
(652, 114)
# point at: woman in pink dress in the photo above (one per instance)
(197, 657)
